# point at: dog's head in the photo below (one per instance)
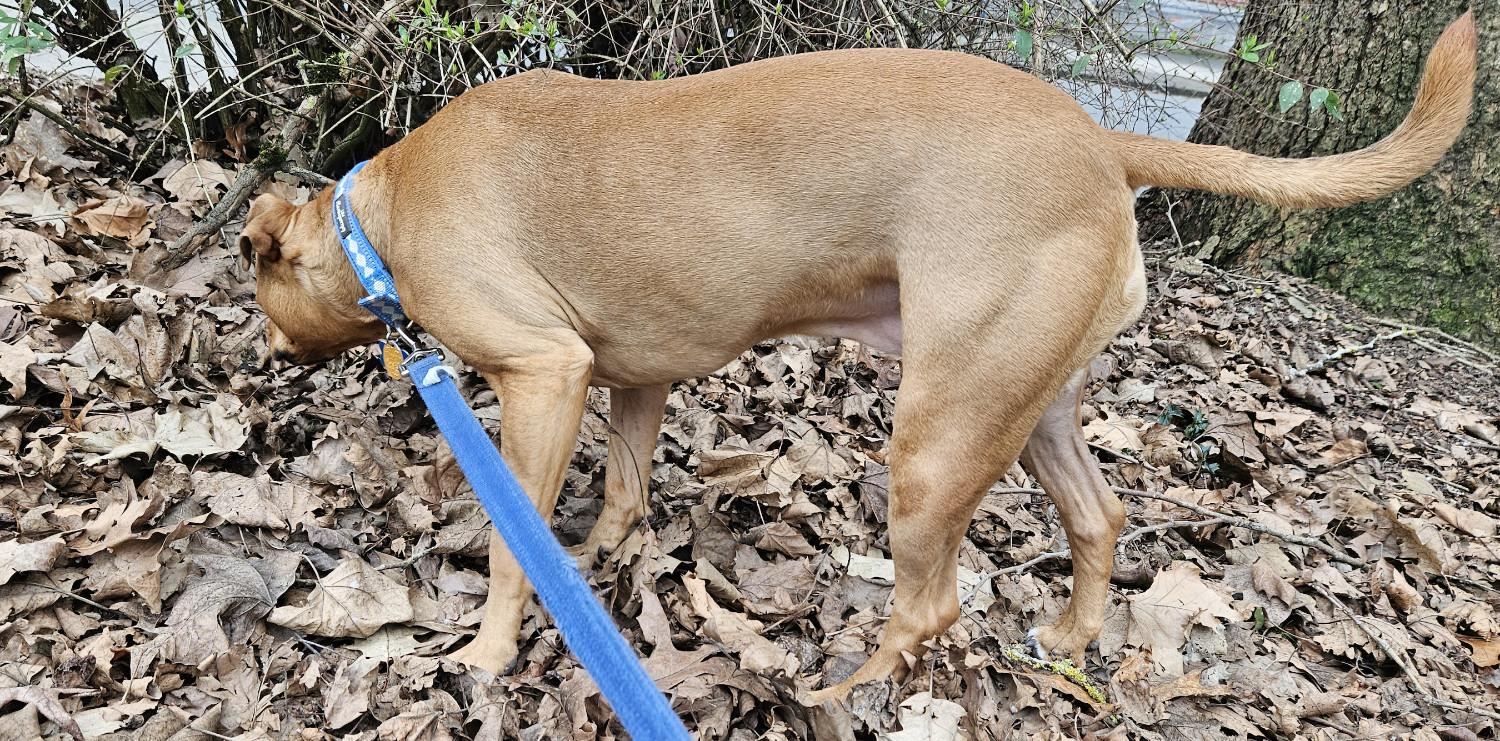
(303, 281)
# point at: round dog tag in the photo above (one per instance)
(391, 356)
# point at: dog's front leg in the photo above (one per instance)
(543, 400)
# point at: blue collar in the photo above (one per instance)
(382, 301)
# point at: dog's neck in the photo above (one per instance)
(367, 198)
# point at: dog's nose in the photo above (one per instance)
(284, 356)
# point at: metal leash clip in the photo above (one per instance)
(400, 351)
(399, 348)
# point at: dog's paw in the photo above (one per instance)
(1035, 644)
(497, 660)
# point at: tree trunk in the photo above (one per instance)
(1429, 252)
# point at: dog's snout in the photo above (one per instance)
(285, 356)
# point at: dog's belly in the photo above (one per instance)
(873, 318)
(642, 357)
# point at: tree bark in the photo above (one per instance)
(1429, 252)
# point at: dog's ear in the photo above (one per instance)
(264, 229)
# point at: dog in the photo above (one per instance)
(557, 232)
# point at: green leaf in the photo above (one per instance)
(1316, 98)
(1290, 94)
(1082, 63)
(1332, 104)
(1023, 44)
(185, 50)
(1249, 56)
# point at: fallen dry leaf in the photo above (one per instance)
(926, 718)
(1484, 653)
(39, 555)
(1160, 616)
(354, 600)
(122, 217)
(45, 701)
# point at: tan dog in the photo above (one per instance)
(557, 232)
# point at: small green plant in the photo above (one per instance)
(19, 37)
(1320, 98)
(1024, 18)
(1193, 424)
(1251, 50)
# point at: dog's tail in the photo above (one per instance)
(1442, 107)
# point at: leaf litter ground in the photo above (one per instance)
(195, 546)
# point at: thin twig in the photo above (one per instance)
(1341, 352)
(292, 132)
(1169, 525)
(104, 147)
(891, 19)
(1119, 45)
(1249, 524)
(1464, 344)
(1222, 518)
(409, 560)
(1400, 658)
(316, 178)
(1122, 456)
(1068, 552)
(1456, 358)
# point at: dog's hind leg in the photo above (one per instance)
(635, 422)
(953, 438)
(976, 379)
(989, 342)
(1091, 515)
(543, 399)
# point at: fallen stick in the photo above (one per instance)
(1068, 552)
(1341, 352)
(1248, 524)
(1400, 659)
(1456, 358)
(1123, 456)
(1219, 518)
(104, 147)
(1463, 344)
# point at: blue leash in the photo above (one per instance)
(586, 627)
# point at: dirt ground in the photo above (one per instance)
(194, 546)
